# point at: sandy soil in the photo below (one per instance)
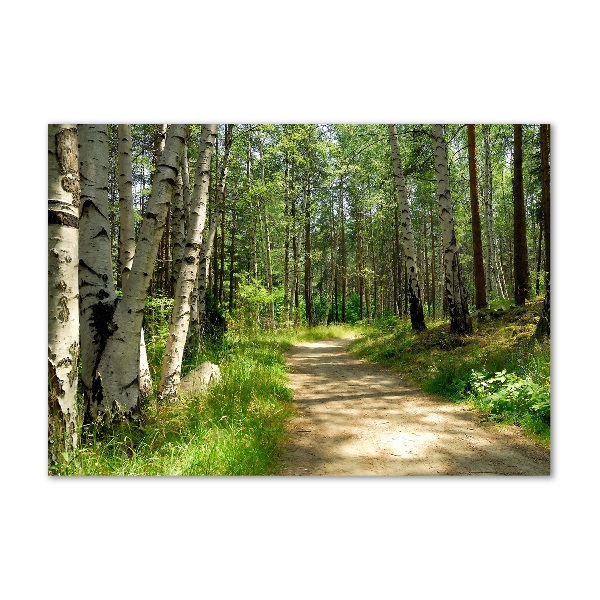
(356, 418)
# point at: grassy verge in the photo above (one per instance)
(501, 369)
(236, 428)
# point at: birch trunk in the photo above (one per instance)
(178, 229)
(186, 187)
(63, 290)
(460, 321)
(209, 240)
(126, 220)
(127, 238)
(97, 294)
(494, 273)
(417, 318)
(180, 319)
(119, 364)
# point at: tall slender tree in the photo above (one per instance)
(180, 318)
(478, 269)
(127, 237)
(543, 327)
(97, 294)
(460, 320)
(521, 262)
(417, 318)
(118, 368)
(63, 290)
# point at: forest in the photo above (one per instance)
(174, 248)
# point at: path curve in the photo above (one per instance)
(357, 418)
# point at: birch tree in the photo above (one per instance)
(118, 368)
(97, 294)
(180, 319)
(63, 290)
(127, 237)
(417, 318)
(460, 321)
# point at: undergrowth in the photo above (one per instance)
(501, 369)
(237, 427)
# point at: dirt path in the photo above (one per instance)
(356, 418)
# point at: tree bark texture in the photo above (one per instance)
(308, 291)
(417, 318)
(543, 326)
(478, 268)
(460, 320)
(119, 364)
(127, 237)
(521, 263)
(97, 294)
(63, 290)
(126, 219)
(180, 317)
(178, 229)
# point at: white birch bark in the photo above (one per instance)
(126, 219)
(180, 319)
(97, 293)
(178, 229)
(460, 321)
(63, 290)
(416, 299)
(127, 238)
(185, 173)
(119, 365)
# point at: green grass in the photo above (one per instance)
(237, 427)
(470, 368)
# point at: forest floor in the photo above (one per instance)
(358, 418)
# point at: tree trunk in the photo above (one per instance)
(186, 187)
(126, 220)
(308, 292)
(543, 326)
(478, 269)
(433, 282)
(343, 249)
(97, 294)
(286, 256)
(521, 263)
(460, 321)
(205, 257)
(119, 365)
(180, 319)
(417, 318)
(232, 257)
(127, 238)
(63, 290)
(178, 230)
(209, 240)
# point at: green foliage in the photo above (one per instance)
(235, 428)
(252, 306)
(157, 315)
(508, 397)
(501, 369)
